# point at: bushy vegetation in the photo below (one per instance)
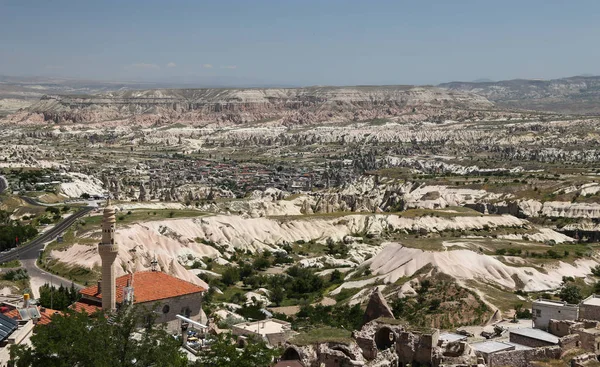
(436, 303)
(78, 339)
(13, 232)
(223, 353)
(14, 275)
(570, 293)
(343, 316)
(58, 298)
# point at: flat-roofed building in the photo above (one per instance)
(487, 348)
(589, 308)
(544, 310)
(533, 338)
(274, 332)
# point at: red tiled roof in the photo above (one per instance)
(46, 314)
(149, 286)
(87, 306)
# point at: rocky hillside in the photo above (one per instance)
(234, 106)
(576, 95)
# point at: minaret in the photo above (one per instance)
(108, 253)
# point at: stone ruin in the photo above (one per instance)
(382, 344)
(385, 342)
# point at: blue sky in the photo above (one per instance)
(308, 42)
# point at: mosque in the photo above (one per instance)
(165, 294)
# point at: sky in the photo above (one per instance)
(300, 42)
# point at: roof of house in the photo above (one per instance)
(86, 305)
(45, 313)
(552, 303)
(536, 334)
(149, 286)
(592, 300)
(491, 346)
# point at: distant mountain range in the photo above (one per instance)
(574, 95)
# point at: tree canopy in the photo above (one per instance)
(223, 353)
(78, 339)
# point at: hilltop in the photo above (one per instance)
(234, 106)
(574, 95)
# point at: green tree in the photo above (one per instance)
(277, 295)
(223, 353)
(57, 298)
(230, 276)
(79, 339)
(336, 277)
(261, 263)
(570, 293)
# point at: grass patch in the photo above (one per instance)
(449, 212)
(144, 215)
(323, 335)
(75, 273)
(11, 264)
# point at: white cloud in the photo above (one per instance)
(143, 66)
(171, 65)
(229, 67)
(207, 66)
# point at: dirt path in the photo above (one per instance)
(292, 310)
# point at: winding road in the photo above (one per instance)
(29, 253)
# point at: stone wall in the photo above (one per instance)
(415, 347)
(588, 341)
(582, 360)
(522, 358)
(177, 306)
(529, 342)
(367, 345)
(589, 312)
(563, 327)
(569, 342)
(339, 355)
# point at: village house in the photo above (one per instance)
(589, 308)
(167, 295)
(274, 332)
(544, 310)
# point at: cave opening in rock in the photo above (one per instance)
(384, 338)
(290, 354)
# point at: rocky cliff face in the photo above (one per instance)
(578, 95)
(233, 106)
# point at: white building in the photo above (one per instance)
(543, 310)
(274, 332)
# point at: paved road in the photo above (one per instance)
(29, 253)
(32, 249)
(32, 201)
(38, 277)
